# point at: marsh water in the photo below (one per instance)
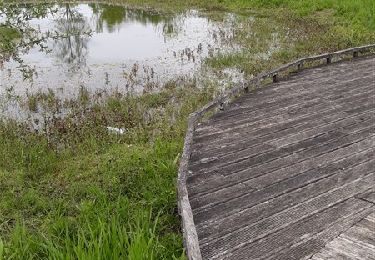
(103, 48)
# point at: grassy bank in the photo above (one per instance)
(78, 190)
(303, 28)
(81, 191)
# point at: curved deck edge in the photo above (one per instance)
(191, 241)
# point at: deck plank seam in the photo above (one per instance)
(353, 224)
(366, 200)
(291, 165)
(294, 207)
(293, 152)
(282, 210)
(263, 133)
(271, 98)
(253, 95)
(252, 179)
(247, 124)
(234, 211)
(303, 219)
(269, 142)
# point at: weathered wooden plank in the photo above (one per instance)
(233, 125)
(338, 127)
(265, 153)
(251, 101)
(276, 102)
(273, 132)
(286, 155)
(271, 124)
(238, 221)
(239, 189)
(279, 173)
(260, 210)
(234, 204)
(286, 237)
(267, 135)
(358, 242)
(312, 244)
(266, 226)
(300, 165)
(289, 87)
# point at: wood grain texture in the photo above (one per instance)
(288, 171)
(358, 242)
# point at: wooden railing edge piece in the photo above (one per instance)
(191, 241)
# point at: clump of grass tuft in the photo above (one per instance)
(109, 238)
(7, 36)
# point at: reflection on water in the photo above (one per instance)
(113, 17)
(103, 47)
(72, 47)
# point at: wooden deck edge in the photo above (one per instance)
(191, 241)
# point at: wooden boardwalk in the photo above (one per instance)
(288, 171)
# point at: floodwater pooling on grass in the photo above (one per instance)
(102, 47)
(91, 51)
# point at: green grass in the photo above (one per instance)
(78, 191)
(8, 33)
(351, 12)
(81, 192)
(356, 13)
(7, 36)
(302, 28)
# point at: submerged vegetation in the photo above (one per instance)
(94, 177)
(7, 36)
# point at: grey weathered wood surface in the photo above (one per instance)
(356, 243)
(277, 174)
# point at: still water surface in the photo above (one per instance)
(104, 48)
